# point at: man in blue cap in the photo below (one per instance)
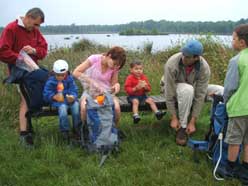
(186, 76)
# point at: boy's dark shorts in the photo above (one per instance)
(140, 98)
(237, 130)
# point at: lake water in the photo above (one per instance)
(160, 42)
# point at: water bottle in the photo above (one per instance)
(60, 89)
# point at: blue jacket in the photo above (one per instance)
(50, 90)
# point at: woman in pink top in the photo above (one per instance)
(101, 68)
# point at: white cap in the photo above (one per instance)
(60, 66)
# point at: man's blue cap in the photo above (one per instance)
(192, 47)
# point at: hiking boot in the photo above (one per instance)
(238, 171)
(242, 174)
(26, 140)
(226, 171)
(181, 137)
(136, 119)
(159, 115)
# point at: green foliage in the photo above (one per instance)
(131, 32)
(149, 155)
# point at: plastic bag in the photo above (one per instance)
(25, 62)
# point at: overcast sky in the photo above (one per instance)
(85, 12)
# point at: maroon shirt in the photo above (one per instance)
(14, 37)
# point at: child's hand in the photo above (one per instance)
(141, 84)
(58, 97)
(70, 98)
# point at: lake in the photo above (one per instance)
(160, 42)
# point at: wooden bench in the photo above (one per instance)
(125, 106)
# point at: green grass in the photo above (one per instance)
(149, 155)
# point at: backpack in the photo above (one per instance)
(214, 145)
(31, 87)
(102, 135)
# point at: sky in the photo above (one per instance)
(109, 12)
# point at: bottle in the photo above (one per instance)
(100, 99)
(60, 89)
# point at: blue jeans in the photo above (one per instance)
(64, 124)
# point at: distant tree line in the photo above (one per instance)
(132, 31)
(163, 26)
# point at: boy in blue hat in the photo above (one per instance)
(186, 76)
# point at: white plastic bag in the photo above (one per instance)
(25, 62)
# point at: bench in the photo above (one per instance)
(125, 106)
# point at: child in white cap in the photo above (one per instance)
(61, 91)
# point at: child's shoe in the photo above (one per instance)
(136, 118)
(159, 115)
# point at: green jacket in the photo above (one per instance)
(237, 104)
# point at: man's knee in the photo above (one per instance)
(185, 90)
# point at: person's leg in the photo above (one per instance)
(22, 113)
(25, 137)
(117, 111)
(135, 108)
(153, 106)
(75, 114)
(159, 115)
(185, 95)
(63, 118)
(234, 138)
(83, 108)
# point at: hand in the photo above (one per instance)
(58, 97)
(29, 50)
(175, 123)
(115, 88)
(70, 98)
(191, 126)
(140, 85)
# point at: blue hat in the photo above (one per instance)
(192, 47)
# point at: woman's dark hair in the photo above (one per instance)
(242, 32)
(118, 54)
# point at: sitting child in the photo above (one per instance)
(137, 86)
(61, 91)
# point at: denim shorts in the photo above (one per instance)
(141, 99)
(237, 131)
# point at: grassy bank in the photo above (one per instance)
(149, 156)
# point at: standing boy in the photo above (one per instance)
(137, 86)
(235, 97)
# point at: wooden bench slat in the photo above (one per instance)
(125, 106)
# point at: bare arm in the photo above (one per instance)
(78, 72)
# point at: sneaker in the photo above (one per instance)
(136, 119)
(159, 115)
(26, 140)
(181, 137)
